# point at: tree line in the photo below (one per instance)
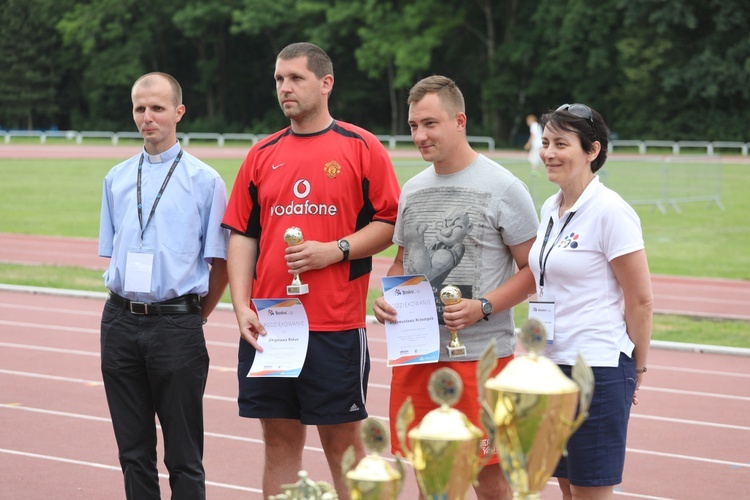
(655, 69)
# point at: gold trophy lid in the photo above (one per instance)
(533, 373)
(445, 423)
(373, 467)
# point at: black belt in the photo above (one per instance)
(185, 304)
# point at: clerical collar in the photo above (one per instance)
(166, 156)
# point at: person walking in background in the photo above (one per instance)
(335, 182)
(589, 260)
(534, 144)
(161, 228)
(468, 222)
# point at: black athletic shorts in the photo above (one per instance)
(331, 389)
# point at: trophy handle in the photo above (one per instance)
(488, 424)
(401, 470)
(348, 459)
(403, 421)
(584, 377)
(487, 363)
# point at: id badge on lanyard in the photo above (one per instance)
(543, 306)
(544, 311)
(138, 269)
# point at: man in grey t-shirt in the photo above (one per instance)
(468, 222)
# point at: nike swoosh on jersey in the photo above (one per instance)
(277, 166)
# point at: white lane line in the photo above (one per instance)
(320, 450)
(695, 393)
(698, 371)
(80, 416)
(689, 457)
(57, 350)
(51, 310)
(116, 468)
(691, 422)
(57, 328)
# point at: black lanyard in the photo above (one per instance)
(543, 261)
(158, 196)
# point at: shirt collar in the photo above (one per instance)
(166, 156)
(587, 194)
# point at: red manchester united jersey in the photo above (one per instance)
(328, 184)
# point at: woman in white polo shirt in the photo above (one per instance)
(589, 261)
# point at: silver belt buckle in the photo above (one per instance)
(138, 308)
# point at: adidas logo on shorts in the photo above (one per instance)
(354, 407)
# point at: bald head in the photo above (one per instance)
(150, 80)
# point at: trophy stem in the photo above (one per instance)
(454, 340)
(455, 347)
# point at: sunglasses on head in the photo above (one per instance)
(581, 111)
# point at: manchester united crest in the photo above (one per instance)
(332, 169)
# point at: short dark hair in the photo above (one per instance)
(587, 131)
(317, 60)
(176, 89)
(444, 87)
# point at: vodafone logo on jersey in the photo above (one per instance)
(300, 205)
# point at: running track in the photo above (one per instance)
(689, 437)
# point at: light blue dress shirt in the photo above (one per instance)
(184, 234)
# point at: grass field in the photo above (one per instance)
(62, 197)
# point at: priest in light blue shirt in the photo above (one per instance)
(161, 228)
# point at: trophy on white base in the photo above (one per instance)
(293, 236)
(452, 295)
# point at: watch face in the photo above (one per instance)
(486, 307)
(344, 245)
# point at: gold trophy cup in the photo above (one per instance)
(306, 489)
(452, 295)
(373, 478)
(293, 236)
(446, 446)
(533, 405)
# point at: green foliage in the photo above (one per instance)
(687, 69)
(677, 69)
(30, 73)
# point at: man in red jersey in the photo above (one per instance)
(335, 182)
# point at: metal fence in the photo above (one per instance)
(663, 182)
(392, 141)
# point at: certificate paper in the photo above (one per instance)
(285, 343)
(415, 337)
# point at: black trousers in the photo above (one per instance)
(156, 365)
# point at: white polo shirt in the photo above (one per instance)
(589, 304)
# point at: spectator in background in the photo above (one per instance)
(161, 228)
(534, 144)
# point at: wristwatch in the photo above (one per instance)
(486, 308)
(344, 247)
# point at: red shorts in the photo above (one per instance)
(412, 381)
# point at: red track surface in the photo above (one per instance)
(689, 437)
(672, 294)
